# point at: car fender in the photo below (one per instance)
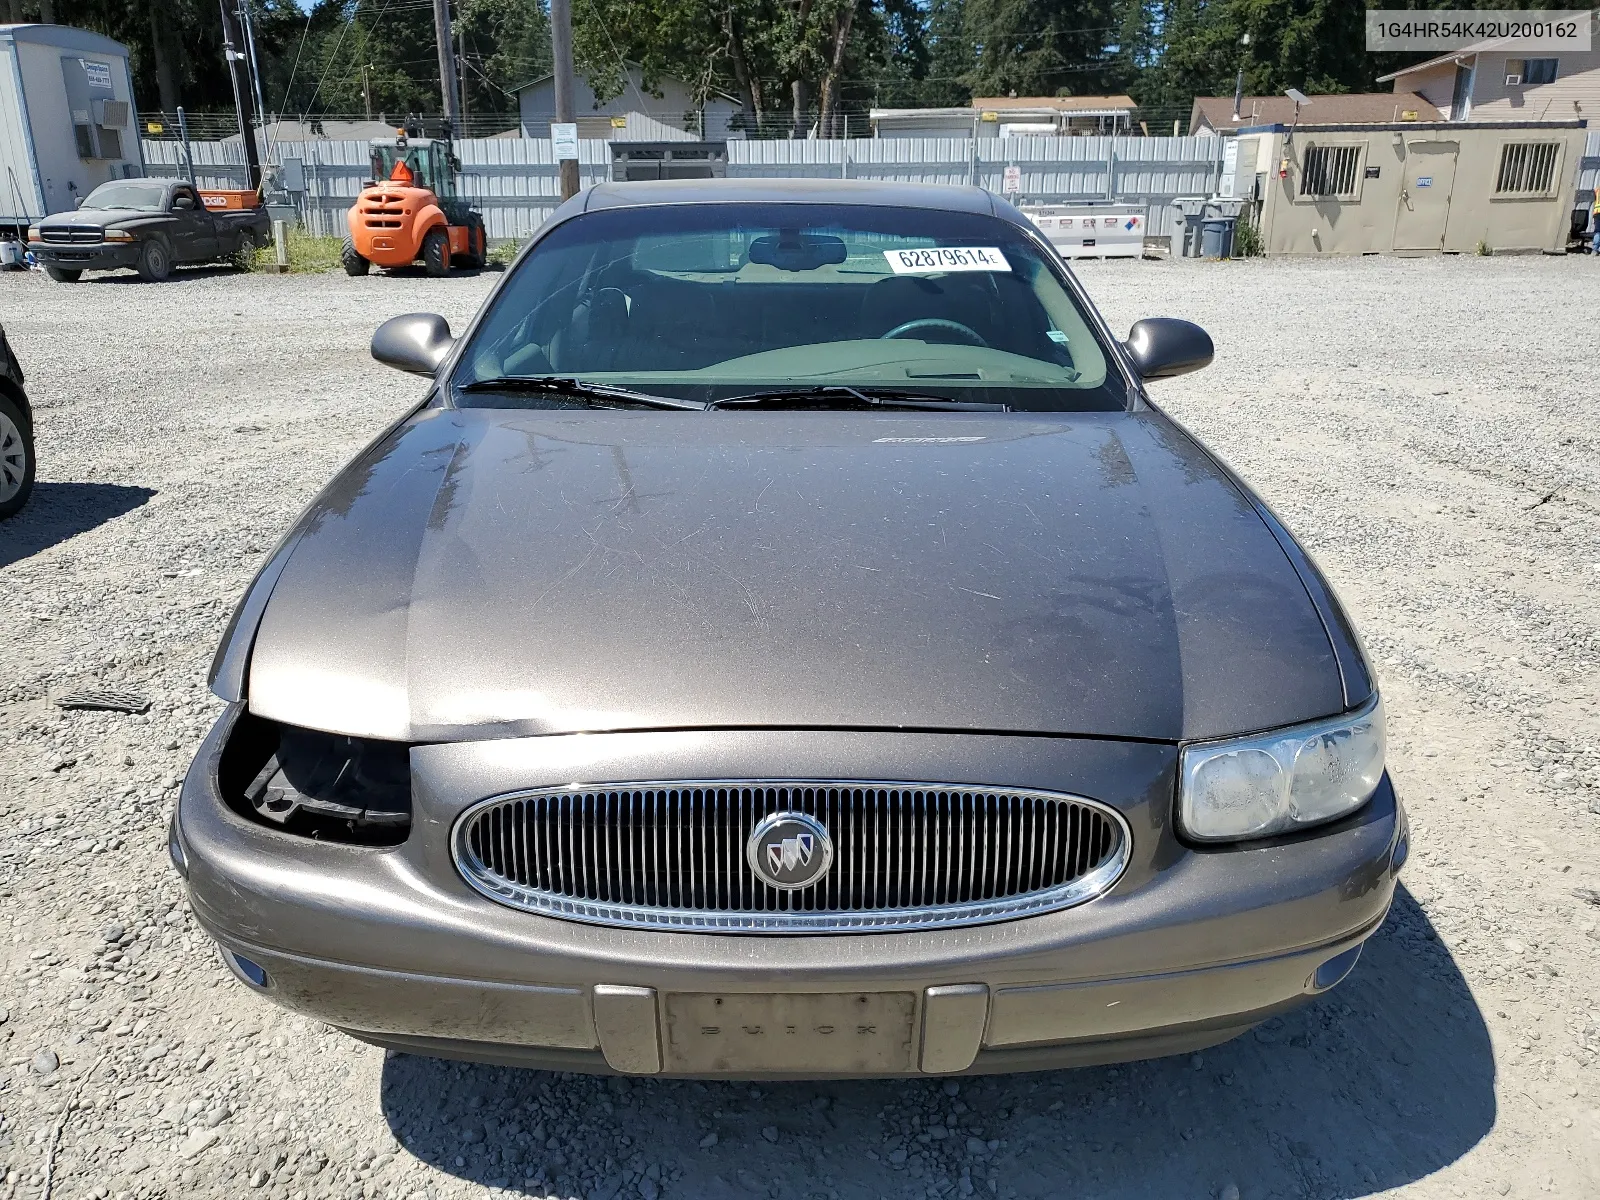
(229, 677)
(18, 397)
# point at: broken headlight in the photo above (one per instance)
(323, 785)
(1283, 781)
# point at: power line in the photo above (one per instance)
(332, 58)
(295, 70)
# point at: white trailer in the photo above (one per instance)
(67, 119)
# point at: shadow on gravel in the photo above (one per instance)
(179, 274)
(58, 511)
(1381, 1083)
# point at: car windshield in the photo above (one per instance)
(714, 301)
(140, 197)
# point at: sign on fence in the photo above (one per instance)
(1013, 181)
(564, 141)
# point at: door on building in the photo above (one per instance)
(1425, 187)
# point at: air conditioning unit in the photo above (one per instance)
(111, 114)
(1513, 80)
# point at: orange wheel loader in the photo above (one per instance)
(410, 210)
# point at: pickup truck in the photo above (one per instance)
(150, 225)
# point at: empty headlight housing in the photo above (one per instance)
(320, 785)
(1282, 781)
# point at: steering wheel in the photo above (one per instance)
(963, 332)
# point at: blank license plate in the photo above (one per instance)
(808, 1033)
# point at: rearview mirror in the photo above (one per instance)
(1164, 346)
(791, 251)
(416, 342)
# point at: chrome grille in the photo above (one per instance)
(906, 855)
(70, 233)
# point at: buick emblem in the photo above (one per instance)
(789, 850)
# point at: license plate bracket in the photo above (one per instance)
(809, 1033)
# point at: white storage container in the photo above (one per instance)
(67, 119)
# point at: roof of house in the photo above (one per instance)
(1083, 105)
(67, 37)
(1452, 55)
(1351, 108)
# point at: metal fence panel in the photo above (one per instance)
(514, 181)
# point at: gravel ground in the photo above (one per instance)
(1427, 426)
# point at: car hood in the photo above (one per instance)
(485, 573)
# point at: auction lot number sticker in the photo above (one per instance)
(933, 259)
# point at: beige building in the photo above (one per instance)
(1411, 188)
(1485, 82)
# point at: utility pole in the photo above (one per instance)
(561, 51)
(238, 73)
(461, 74)
(255, 65)
(447, 61)
(366, 87)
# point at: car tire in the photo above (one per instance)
(436, 251)
(354, 264)
(63, 274)
(16, 457)
(243, 257)
(155, 263)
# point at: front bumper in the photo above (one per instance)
(86, 256)
(1189, 948)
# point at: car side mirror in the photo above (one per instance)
(1164, 346)
(182, 203)
(416, 342)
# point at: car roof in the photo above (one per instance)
(941, 196)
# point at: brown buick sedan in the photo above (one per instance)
(786, 640)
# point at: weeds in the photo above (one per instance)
(1247, 240)
(308, 254)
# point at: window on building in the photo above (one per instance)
(110, 143)
(1530, 72)
(1527, 168)
(84, 136)
(1331, 171)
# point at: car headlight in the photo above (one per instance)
(33, 234)
(117, 235)
(1283, 781)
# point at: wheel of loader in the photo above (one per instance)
(354, 264)
(436, 251)
(477, 255)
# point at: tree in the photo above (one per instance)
(506, 43)
(1043, 47)
(811, 57)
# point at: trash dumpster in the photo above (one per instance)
(1216, 237)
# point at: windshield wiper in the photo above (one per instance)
(599, 394)
(838, 395)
